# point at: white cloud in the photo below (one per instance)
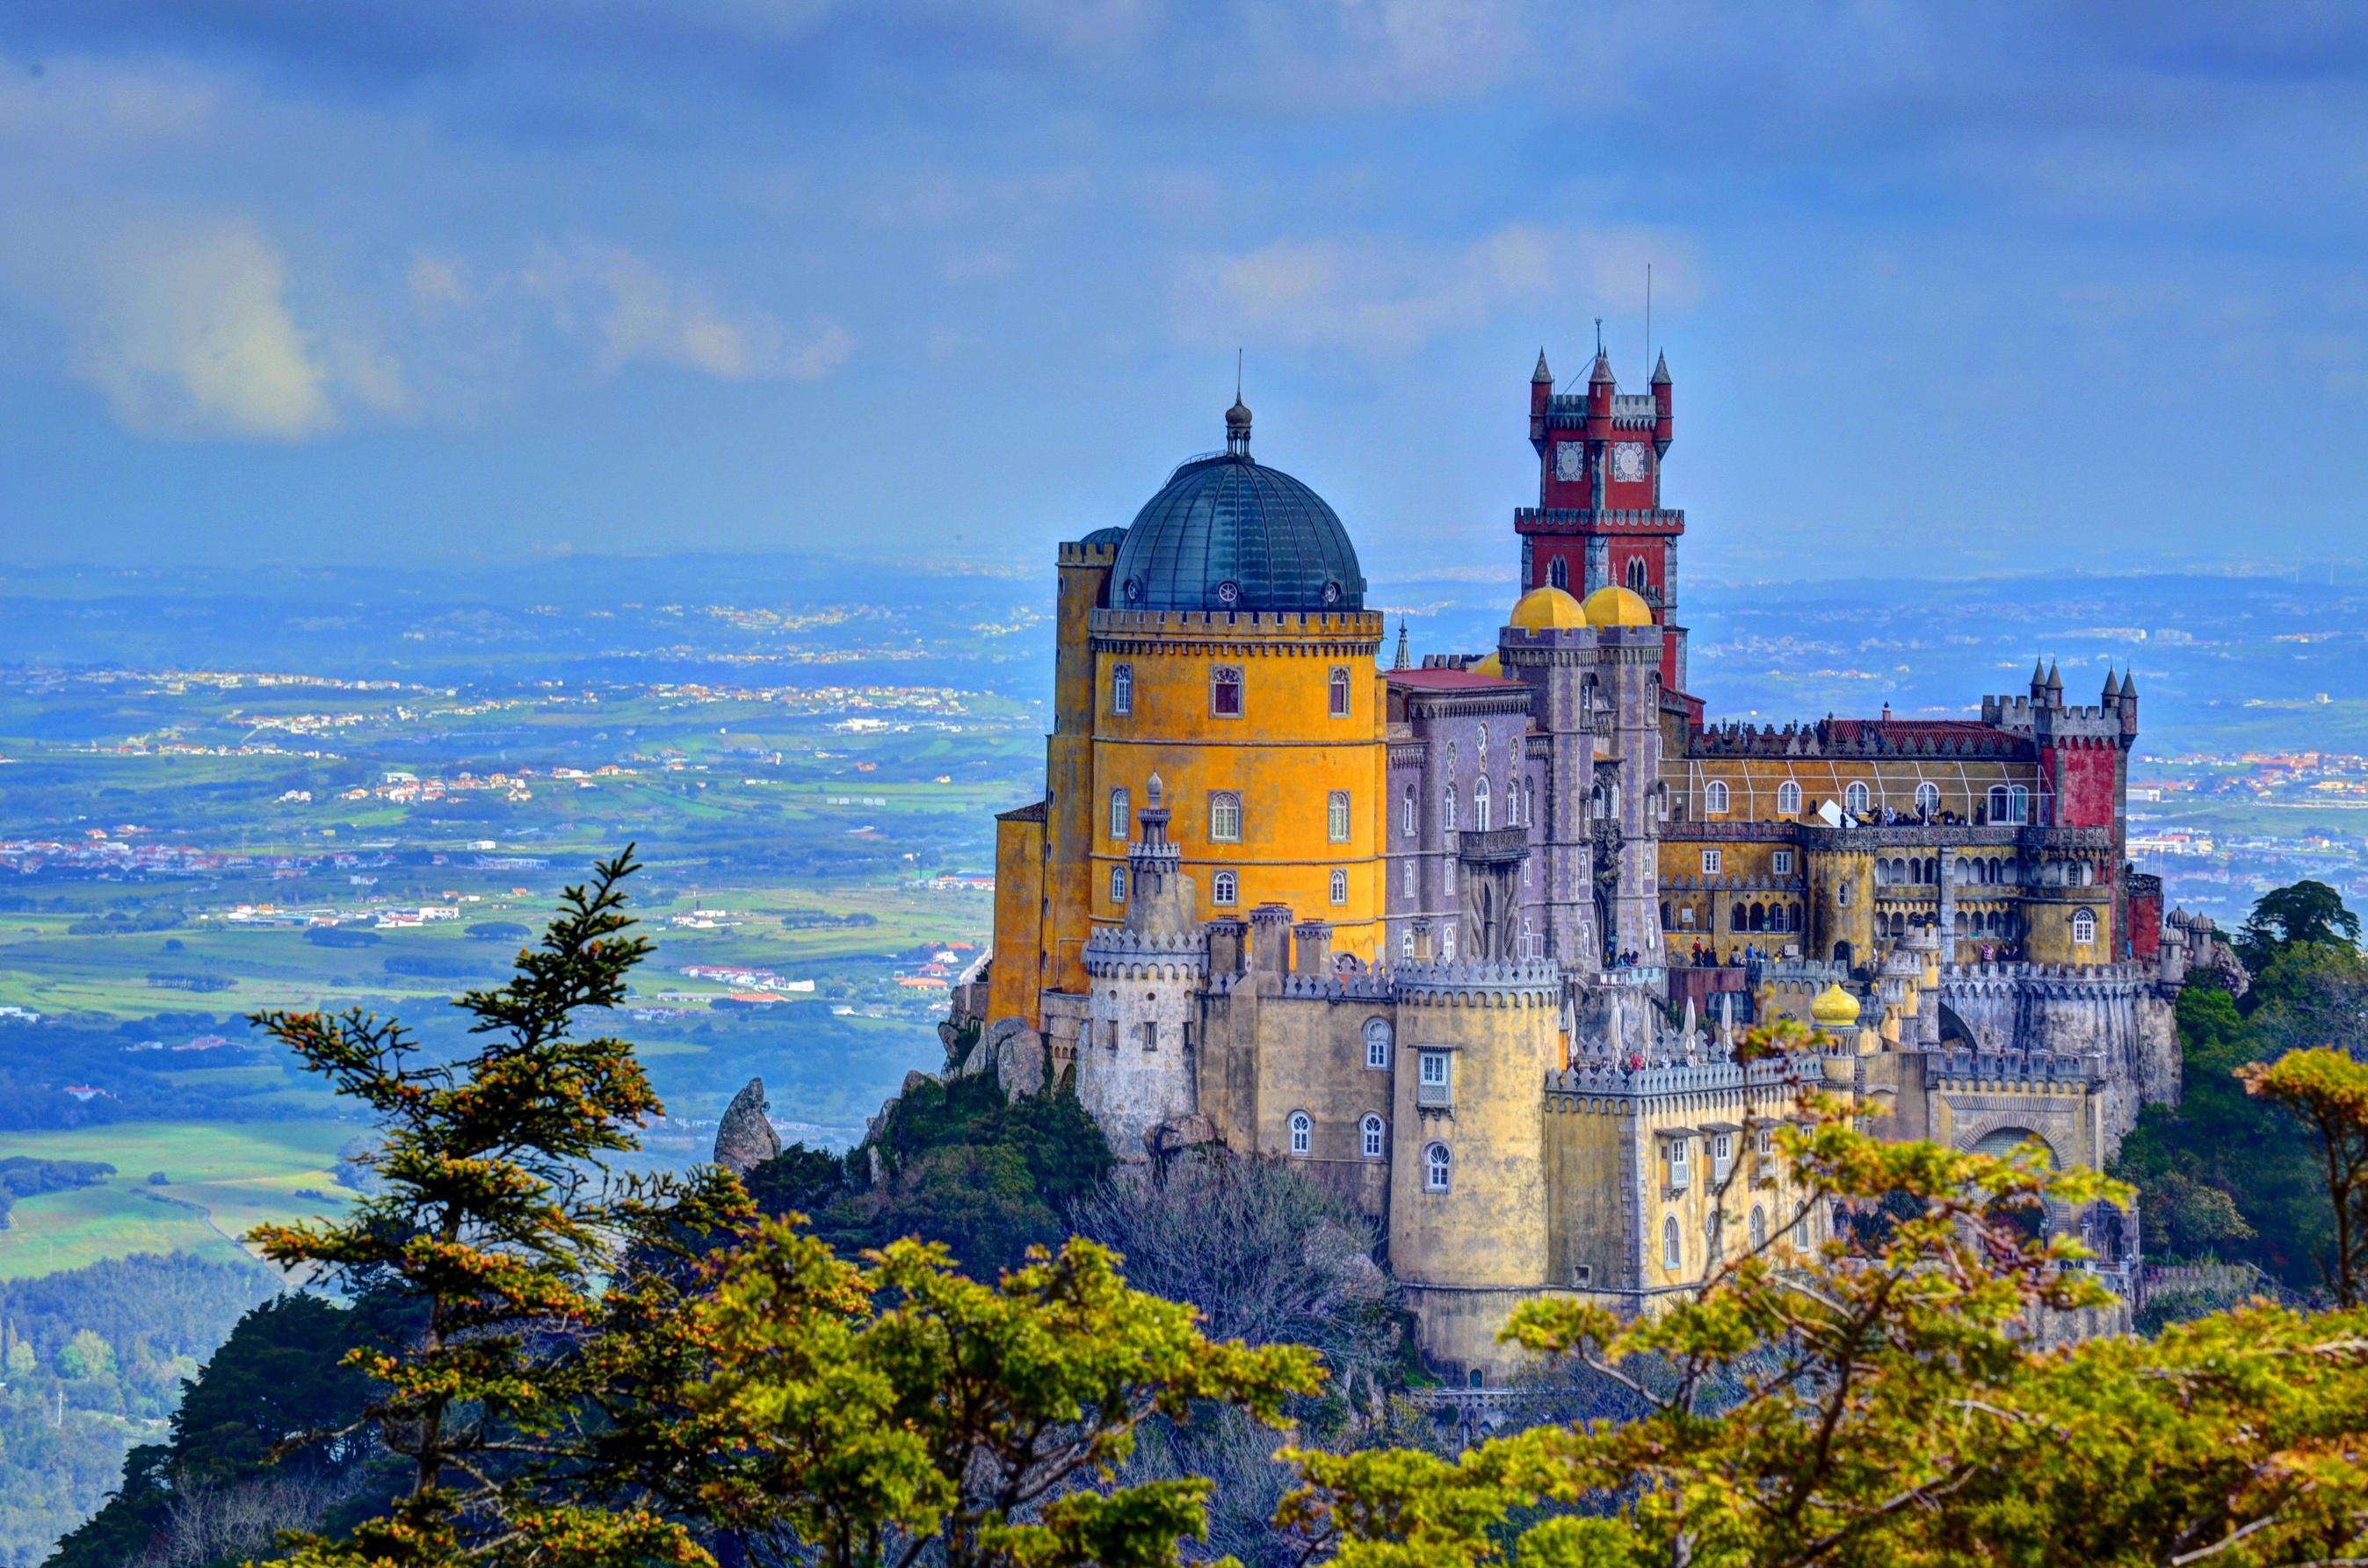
(1388, 297)
(188, 331)
(634, 313)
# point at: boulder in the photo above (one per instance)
(746, 1139)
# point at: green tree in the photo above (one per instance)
(2327, 1090)
(2311, 994)
(2306, 912)
(85, 1356)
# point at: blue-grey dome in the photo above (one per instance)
(1226, 533)
(1104, 536)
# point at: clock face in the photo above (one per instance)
(1570, 459)
(1628, 461)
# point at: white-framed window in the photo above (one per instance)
(1433, 1070)
(1480, 747)
(1336, 816)
(1767, 1141)
(1226, 691)
(1447, 809)
(1122, 688)
(1377, 1033)
(2009, 803)
(1340, 688)
(1680, 1168)
(2084, 928)
(1528, 802)
(1722, 1154)
(1714, 797)
(1480, 803)
(1673, 1245)
(1406, 814)
(1780, 862)
(1121, 813)
(1372, 1137)
(1302, 1132)
(1927, 797)
(1788, 798)
(1408, 881)
(1712, 861)
(1224, 817)
(1118, 884)
(1686, 917)
(1406, 944)
(1758, 1227)
(1447, 875)
(1339, 885)
(1447, 942)
(1224, 889)
(1857, 799)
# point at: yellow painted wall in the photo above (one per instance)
(1015, 974)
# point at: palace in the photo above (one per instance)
(1474, 937)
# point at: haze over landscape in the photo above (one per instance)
(442, 445)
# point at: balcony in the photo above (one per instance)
(1434, 1097)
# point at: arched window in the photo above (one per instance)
(1788, 798)
(1226, 691)
(1857, 799)
(1336, 816)
(1480, 803)
(1377, 1033)
(1302, 1132)
(1406, 814)
(1118, 884)
(1434, 1168)
(1447, 809)
(1927, 799)
(1529, 805)
(1529, 938)
(1339, 691)
(2084, 928)
(1673, 1245)
(1224, 817)
(1714, 797)
(1370, 1137)
(1224, 889)
(1447, 944)
(1758, 1227)
(1408, 880)
(1406, 944)
(1638, 578)
(1122, 688)
(1558, 573)
(1339, 885)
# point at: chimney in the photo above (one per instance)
(1310, 949)
(1227, 948)
(1271, 939)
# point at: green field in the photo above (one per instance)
(224, 1179)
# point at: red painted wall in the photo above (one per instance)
(2084, 783)
(2146, 927)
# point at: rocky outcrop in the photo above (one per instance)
(745, 1138)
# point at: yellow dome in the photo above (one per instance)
(1491, 666)
(1834, 1008)
(1548, 609)
(1616, 606)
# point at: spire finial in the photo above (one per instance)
(1237, 418)
(1403, 658)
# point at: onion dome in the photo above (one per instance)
(1548, 609)
(1226, 533)
(1615, 606)
(1490, 666)
(1834, 1008)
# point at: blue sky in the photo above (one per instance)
(1962, 289)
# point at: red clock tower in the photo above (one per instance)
(1599, 519)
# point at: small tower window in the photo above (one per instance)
(1408, 881)
(1406, 813)
(1927, 799)
(1857, 799)
(1121, 813)
(1788, 798)
(1406, 944)
(1638, 578)
(1118, 884)
(1226, 691)
(1712, 859)
(1224, 817)
(1336, 816)
(1780, 862)
(1558, 573)
(1447, 944)
(2084, 928)
(1122, 688)
(1758, 1227)
(1339, 691)
(1480, 804)
(1302, 1132)
(1435, 1164)
(1447, 809)
(1377, 1034)
(1224, 889)
(1339, 885)
(1371, 1137)
(1714, 798)
(1673, 1245)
